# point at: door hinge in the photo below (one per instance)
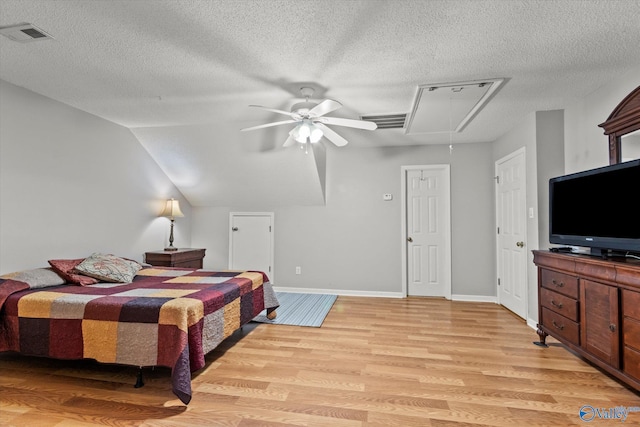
(269, 269)
(269, 229)
(498, 230)
(498, 281)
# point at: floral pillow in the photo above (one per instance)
(108, 268)
(65, 268)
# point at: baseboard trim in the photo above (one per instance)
(474, 298)
(352, 293)
(343, 292)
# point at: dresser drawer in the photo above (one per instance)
(631, 304)
(631, 362)
(560, 326)
(559, 303)
(559, 282)
(631, 332)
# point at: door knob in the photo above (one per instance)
(409, 239)
(234, 229)
(520, 244)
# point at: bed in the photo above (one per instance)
(164, 316)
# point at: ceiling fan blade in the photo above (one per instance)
(290, 141)
(275, 110)
(332, 136)
(284, 122)
(359, 124)
(325, 107)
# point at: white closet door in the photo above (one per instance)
(251, 242)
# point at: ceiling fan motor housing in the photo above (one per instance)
(302, 107)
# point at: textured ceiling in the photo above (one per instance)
(195, 66)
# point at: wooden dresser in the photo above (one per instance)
(592, 306)
(185, 257)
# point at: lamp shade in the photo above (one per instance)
(172, 209)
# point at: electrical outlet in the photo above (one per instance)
(298, 270)
(387, 196)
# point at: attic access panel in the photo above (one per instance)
(449, 107)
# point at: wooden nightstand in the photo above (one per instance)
(185, 257)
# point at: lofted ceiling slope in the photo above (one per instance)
(181, 73)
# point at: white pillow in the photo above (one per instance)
(37, 278)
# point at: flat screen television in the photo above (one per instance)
(597, 209)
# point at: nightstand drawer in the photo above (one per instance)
(561, 304)
(560, 326)
(185, 258)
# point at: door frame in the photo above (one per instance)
(403, 222)
(271, 215)
(519, 152)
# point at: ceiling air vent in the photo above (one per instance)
(449, 107)
(24, 33)
(387, 121)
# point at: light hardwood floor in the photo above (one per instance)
(374, 362)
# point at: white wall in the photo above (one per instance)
(353, 243)
(586, 145)
(550, 154)
(72, 184)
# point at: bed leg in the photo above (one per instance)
(139, 380)
(271, 313)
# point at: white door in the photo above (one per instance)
(511, 223)
(251, 242)
(427, 230)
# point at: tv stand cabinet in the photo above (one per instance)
(592, 306)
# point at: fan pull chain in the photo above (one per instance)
(305, 146)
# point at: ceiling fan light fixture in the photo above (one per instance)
(316, 135)
(301, 132)
(306, 130)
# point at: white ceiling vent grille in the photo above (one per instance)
(449, 107)
(387, 121)
(24, 33)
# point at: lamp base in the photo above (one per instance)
(170, 249)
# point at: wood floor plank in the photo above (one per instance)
(374, 362)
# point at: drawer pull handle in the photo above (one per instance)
(558, 284)
(555, 304)
(561, 327)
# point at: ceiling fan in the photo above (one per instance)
(311, 121)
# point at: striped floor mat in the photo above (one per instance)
(300, 309)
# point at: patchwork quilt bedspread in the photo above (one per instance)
(166, 317)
